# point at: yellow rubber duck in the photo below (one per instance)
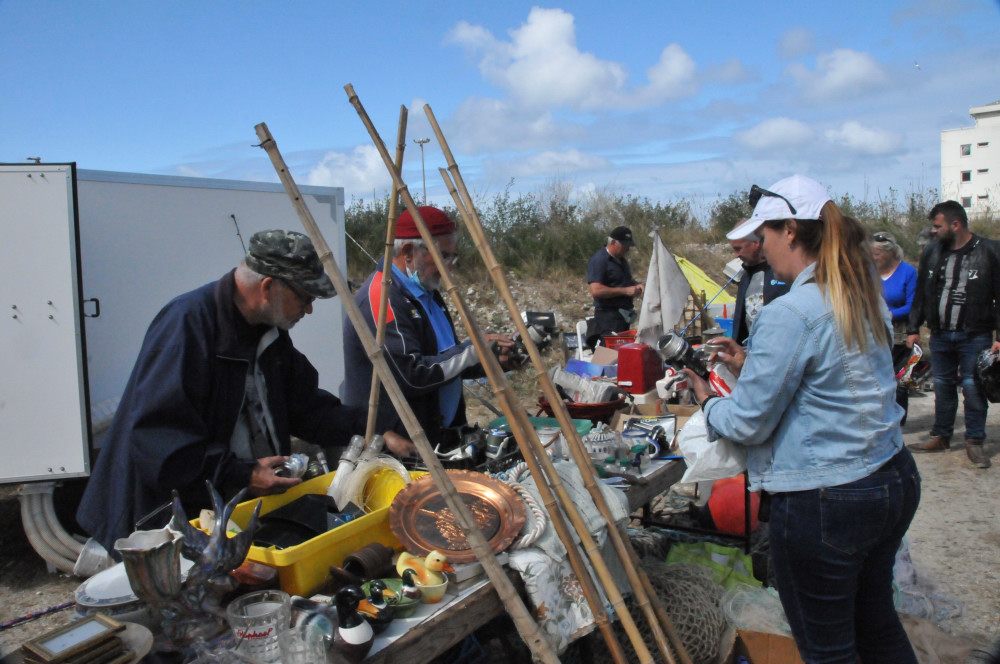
(429, 570)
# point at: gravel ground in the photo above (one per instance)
(954, 542)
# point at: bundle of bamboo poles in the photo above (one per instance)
(554, 496)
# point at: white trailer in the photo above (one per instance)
(87, 259)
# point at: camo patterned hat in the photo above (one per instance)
(291, 256)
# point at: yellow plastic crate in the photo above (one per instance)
(304, 568)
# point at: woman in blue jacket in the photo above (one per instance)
(815, 407)
(899, 283)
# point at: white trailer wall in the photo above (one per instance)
(145, 239)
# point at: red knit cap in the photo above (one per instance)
(437, 222)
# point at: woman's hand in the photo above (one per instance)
(728, 352)
(702, 390)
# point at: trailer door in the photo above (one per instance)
(44, 410)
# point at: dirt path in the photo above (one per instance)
(954, 542)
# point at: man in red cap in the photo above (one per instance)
(420, 341)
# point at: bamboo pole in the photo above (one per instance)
(540, 647)
(645, 595)
(390, 234)
(524, 434)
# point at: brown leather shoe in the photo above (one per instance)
(974, 450)
(935, 444)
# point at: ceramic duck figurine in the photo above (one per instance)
(354, 635)
(375, 609)
(430, 570)
(410, 589)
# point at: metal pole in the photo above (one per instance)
(420, 142)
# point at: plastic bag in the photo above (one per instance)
(715, 460)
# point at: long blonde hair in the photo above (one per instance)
(845, 273)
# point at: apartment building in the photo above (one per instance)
(970, 162)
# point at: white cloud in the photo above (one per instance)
(361, 172)
(541, 66)
(569, 161)
(672, 77)
(839, 73)
(489, 125)
(796, 42)
(731, 70)
(865, 140)
(774, 133)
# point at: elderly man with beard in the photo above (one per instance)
(216, 393)
(420, 341)
(958, 286)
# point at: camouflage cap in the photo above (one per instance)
(289, 255)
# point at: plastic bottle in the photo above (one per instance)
(373, 449)
(345, 468)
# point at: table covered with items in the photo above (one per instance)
(297, 577)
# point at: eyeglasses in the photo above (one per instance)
(304, 298)
(756, 192)
(449, 258)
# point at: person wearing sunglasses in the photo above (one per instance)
(814, 405)
(899, 283)
(421, 344)
(958, 297)
(216, 393)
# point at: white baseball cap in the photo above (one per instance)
(795, 197)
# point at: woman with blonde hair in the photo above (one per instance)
(899, 285)
(815, 407)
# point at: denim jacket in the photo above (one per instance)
(812, 412)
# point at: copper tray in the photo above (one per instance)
(422, 521)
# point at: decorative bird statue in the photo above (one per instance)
(410, 588)
(354, 635)
(429, 570)
(375, 609)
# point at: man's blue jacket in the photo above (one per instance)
(180, 406)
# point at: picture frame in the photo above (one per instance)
(74, 638)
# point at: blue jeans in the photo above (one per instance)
(832, 551)
(951, 352)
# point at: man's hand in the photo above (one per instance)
(264, 481)
(504, 347)
(914, 338)
(995, 348)
(728, 352)
(637, 289)
(401, 447)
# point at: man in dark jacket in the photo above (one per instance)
(421, 346)
(216, 392)
(758, 285)
(958, 286)
(610, 282)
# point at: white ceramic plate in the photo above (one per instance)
(110, 588)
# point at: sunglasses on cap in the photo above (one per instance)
(756, 193)
(882, 237)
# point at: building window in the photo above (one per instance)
(983, 144)
(983, 170)
(983, 197)
(966, 201)
(966, 176)
(966, 149)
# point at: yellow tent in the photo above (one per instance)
(701, 283)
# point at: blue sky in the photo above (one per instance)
(662, 99)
